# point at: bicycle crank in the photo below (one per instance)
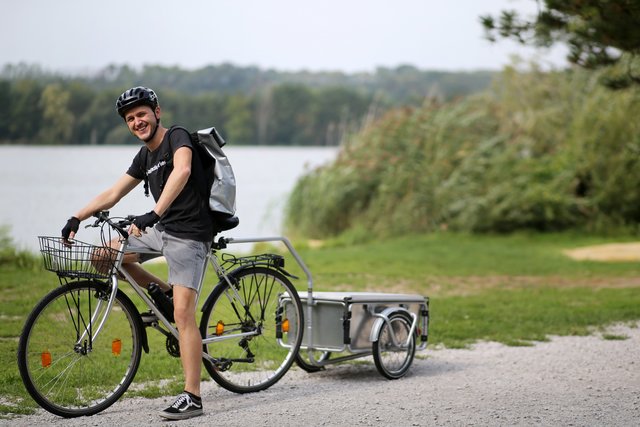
(173, 346)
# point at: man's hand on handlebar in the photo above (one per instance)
(71, 228)
(141, 222)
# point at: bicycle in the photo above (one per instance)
(81, 345)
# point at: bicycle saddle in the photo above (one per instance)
(224, 222)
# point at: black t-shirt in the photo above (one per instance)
(188, 216)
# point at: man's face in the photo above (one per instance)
(142, 121)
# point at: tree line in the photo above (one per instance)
(249, 105)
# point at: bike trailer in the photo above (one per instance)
(350, 321)
(391, 327)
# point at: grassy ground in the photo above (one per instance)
(515, 289)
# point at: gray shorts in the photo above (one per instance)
(186, 258)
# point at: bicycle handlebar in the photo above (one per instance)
(103, 217)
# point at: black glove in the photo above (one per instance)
(146, 220)
(73, 224)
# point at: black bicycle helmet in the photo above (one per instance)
(135, 96)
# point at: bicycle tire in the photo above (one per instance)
(72, 380)
(391, 361)
(253, 363)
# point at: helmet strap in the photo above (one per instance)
(155, 129)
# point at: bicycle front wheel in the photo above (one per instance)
(66, 370)
(252, 329)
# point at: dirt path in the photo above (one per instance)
(579, 381)
(612, 252)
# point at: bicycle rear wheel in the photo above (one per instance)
(258, 328)
(66, 371)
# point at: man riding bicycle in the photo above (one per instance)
(179, 226)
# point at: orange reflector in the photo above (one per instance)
(219, 328)
(45, 359)
(116, 347)
(285, 325)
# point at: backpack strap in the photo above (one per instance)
(145, 152)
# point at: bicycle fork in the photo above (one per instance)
(87, 334)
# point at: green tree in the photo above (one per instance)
(264, 110)
(335, 112)
(81, 96)
(100, 117)
(290, 116)
(58, 121)
(598, 33)
(240, 123)
(250, 105)
(193, 112)
(5, 109)
(25, 113)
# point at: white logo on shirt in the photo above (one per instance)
(160, 164)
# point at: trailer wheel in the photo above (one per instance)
(302, 360)
(394, 359)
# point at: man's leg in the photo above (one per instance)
(142, 277)
(189, 403)
(186, 260)
(184, 303)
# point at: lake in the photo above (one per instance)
(41, 187)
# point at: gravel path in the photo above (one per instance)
(568, 381)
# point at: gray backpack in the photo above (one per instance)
(219, 185)
(221, 181)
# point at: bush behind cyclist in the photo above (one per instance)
(178, 226)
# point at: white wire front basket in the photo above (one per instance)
(76, 259)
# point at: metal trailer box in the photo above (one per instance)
(342, 321)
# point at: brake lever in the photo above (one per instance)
(94, 225)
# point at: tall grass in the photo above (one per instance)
(542, 151)
(10, 255)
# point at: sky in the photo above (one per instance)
(292, 35)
